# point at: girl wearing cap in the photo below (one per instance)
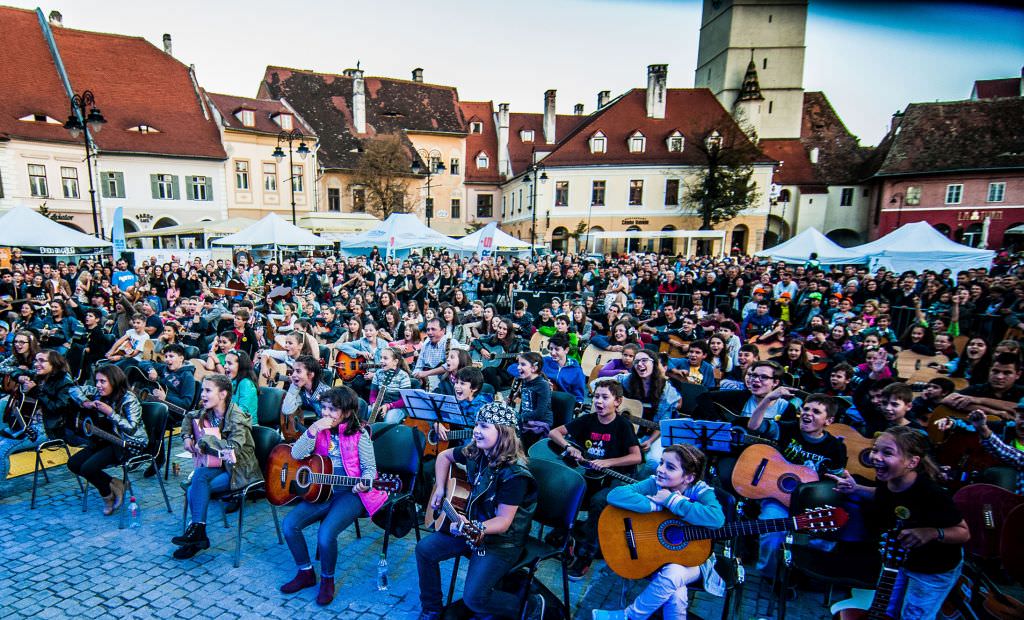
(502, 502)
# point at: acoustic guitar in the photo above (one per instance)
(975, 591)
(636, 544)
(132, 447)
(312, 479)
(497, 352)
(347, 367)
(1011, 542)
(21, 416)
(958, 449)
(858, 450)
(454, 510)
(868, 605)
(761, 472)
(986, 508)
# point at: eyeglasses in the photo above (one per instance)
(22, 342)
(643, 361)
(759, 377)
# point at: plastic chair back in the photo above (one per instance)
(268, 406)
(397, 448)
(265, 440)
(559, 493)
(563, 406)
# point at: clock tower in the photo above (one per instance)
(751, 56)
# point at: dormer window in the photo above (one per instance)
(483, 161)
(285, 121)
(637, 142)
(39, 118)
(526, 135)
(247, 117)
(476, 127)
(144, 129)
(598, 143)
(675, 142)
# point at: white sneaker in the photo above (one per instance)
(609, 614)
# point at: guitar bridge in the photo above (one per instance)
(284, 474)
(630, 538)
(988, 515)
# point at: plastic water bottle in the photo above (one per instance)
(382, 573)
(133, 514)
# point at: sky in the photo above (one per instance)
(870, 58)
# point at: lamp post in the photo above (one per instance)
(713, 146)
(291, 137)
(539, 174)
(434, 166)
(897, 199)
(85, 118)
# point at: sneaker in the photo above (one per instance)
(579, 567)
(534, 609)
(609, 614)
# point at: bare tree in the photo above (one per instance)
(384, 171)
(725, 187)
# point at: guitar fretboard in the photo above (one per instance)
(883, 592)
(755, 526)
(336, 480)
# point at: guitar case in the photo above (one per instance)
(514, 583)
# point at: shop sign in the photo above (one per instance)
(977, 216)
(58, 251)
(145, 218)
(635, 221)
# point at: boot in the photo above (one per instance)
(326, 594)
(117, 489)
(194, 534)
(108, 505)
(306, 578)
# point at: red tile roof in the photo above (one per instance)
(795, 168)
(135, 83)
(990, 89)
(694, 112)
(486, 141)
(264, 111)
(521, 153)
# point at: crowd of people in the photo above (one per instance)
(781, 352)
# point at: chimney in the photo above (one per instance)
(56, 19)
(167, 45)
(578, 110)
(503, 168)
(549, 116)
(358, 102)
(813, 156)
(603, 98)
(897, 118)
(657, 77)
(417, 74)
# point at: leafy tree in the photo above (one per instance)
(472, 226)
(383, 171)
(577, 233)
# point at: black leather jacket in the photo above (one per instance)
(482, 505)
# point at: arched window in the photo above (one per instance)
(784, 195)
(972, 236)
(560, 239)
(740, 234)
(633, 244)
(667, 246)
(595, 245)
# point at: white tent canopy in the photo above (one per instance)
(272, 231)
(502, 241)
(37, 234)
(799, 248)
(407, 233)
(918, 246)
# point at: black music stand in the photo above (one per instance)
(707, 435)
(433, 407)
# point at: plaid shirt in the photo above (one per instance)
(1007, 454)
(432, 355)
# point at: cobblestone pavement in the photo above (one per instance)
(59, 562)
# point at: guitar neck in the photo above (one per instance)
(643, 422)
(463, 434)
(110, 437)
(883, 592)
(336, 480)
(755, 526)
(621, 477)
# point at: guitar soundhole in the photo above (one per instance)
(432, 438)
(671, 535)
(302, 477)
(788, 483)
(865, 458)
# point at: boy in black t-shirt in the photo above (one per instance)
(608, 441)
(802, 442)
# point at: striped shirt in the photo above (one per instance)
(1007, 454)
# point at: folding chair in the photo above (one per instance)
(398, 449)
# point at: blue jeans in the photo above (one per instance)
(770, 543)
(483, 574)
(919, 596)
(10, 446)
(205, 482)
(334, 516)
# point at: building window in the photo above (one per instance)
(482, 161)
(675, 143)
(485, 205)
(333, 199)
(297, 178)
(671, 192)
(358, 200)
(526, 135)
(846, 197)
(270, 177)
(37, 180)
(285, 121)
(913, 196)
(636, 192)
(476, 127)
(69, 181)
(112, 184)
(453, 166)
(456, 208)
(248, 117)
(637, 143)
(996, 192)
(520, 201)
(597, 193)
(764, 63)
(241, 175)
(199, 188)
(504, 203)
(954, 193)
(562, 194)
(598, 143)
(164, 186)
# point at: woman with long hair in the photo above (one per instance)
(109, 400)
(919, 339)
(244, 394)
(502, 502)
(24, 347)
(796, 364)
(974, 361)
(720, 359)
(392, 376)
(646, 383)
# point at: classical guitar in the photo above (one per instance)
(858, 450)
(201, 459)
(434, 444)
(132, 447)
(868, 605)
(21, 416)
(312, 479)
(347, 367)
(636, 544)
(497, 351)
(454, 510)
(761, 472)
(959, 450)
(590, 470)
(985, 507)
